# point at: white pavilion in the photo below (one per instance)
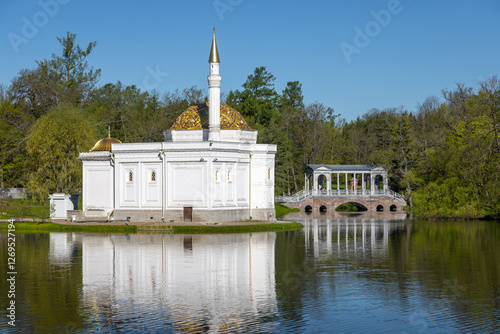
(209, 168)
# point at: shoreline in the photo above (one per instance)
(62, 225)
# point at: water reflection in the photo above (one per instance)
(63, 248)
(354, 274)
(391, 276)
(200, 283)
(347, 216)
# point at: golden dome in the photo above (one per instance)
(196, 118)
(105, 144)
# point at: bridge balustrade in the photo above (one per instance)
(305, 194)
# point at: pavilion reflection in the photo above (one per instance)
(195, 283)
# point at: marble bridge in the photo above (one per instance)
(364, 186)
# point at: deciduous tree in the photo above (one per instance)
(53, 145)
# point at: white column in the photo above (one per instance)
(372, 184)
(355, 184)
(363, 183)
(346, 186)
(385, 183)
(315, 182)
(329, 184)
(214, 80)
(338, 183)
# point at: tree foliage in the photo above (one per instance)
(444, 157)
(70, 75)
(53, 146)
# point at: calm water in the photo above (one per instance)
(338, 274)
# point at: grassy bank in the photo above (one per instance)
(40, 227)
(282, 210)
(24, 208)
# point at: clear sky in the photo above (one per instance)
(349, 55)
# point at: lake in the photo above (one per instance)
(341, 273)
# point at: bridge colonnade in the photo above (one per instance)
(371, 175)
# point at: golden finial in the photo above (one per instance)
(109, 131)
(214, 53)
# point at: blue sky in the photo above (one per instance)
(349, 55)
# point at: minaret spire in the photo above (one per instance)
(214, 93)
(214, 53)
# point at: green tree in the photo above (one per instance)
(67, 78)
(461, 176)
(73, 77)
(258, 101)
(53, 145)
(13, 129)
(291, 112)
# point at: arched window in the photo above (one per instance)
(216, 174)
(130, 176)
(269, 173)
(153, 176)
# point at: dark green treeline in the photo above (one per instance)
(445, 156)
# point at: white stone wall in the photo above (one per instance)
(98, 181)
(135, 186)
(262, 170)
(207, 176)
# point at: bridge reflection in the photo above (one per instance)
(346, 233)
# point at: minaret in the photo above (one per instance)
(214, 93)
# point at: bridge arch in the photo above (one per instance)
(380, 208)
(359, 206)
(308, 209)
(322, 209)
